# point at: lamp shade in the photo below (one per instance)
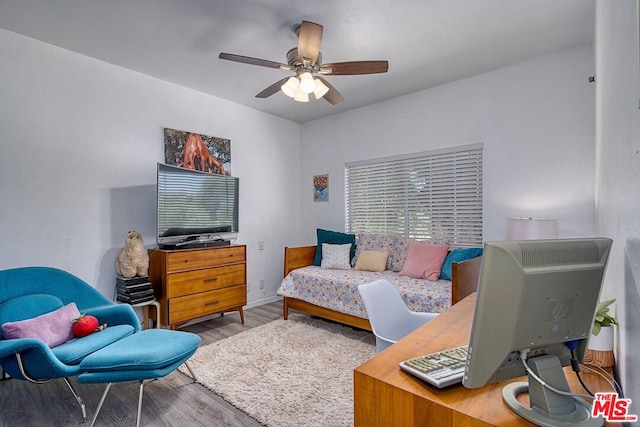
(290, 87)
(301, 96)
(320, 90)
(531, 228)
(307, 84)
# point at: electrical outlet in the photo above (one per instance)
(261, 245)
(261, 284)
(248, 287)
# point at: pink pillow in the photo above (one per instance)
(424, 261)
(54, 328)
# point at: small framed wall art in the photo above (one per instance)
(321, 188)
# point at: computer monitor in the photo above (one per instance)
(540, 297)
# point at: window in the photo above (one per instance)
(434, 195)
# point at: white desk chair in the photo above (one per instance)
(389, 316)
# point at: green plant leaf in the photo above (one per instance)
(603, 305)
(602, 316)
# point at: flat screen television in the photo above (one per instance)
(195, 207)
(535, 304)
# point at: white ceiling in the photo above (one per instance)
(427, 42)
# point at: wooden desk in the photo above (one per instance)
(384, 395)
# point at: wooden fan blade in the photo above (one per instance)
(333, 96)
(272, 89)
(252, 61)
(355, 67)
(309, 39)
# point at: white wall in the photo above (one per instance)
(618, 174)
(80, 143)
(535, 120)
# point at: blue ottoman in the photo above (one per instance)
(149, 354)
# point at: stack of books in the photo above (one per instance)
(134, 290)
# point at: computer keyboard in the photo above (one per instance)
(441, 369)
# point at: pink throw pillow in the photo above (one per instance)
(54, 328)
(424, 261)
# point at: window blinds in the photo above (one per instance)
(434, 196)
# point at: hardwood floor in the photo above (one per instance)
(174, 400)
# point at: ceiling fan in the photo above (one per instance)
(305, 60)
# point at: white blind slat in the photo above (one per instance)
(434, 195)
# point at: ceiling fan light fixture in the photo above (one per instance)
(321, 89)
(307, 84)
(301, 96)
(290, 87)
(305, 60)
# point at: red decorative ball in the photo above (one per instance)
(84, 325)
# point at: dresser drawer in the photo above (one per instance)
(203, 258)
(191, 306)
(206, 279)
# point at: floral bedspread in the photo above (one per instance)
(338, 289)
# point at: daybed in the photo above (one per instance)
(333, 293)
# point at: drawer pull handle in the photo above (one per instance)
(211, 279)
(212, 302)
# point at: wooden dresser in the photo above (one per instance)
(192, 283)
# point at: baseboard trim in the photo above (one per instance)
(263, 301)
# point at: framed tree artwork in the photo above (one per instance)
(191, 150)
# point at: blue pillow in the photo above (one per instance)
(27, 306)
(333, 238)
(457, 255)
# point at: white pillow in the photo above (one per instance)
(336, 256)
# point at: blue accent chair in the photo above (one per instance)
(121, 352)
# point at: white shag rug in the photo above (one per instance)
(296, 372)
